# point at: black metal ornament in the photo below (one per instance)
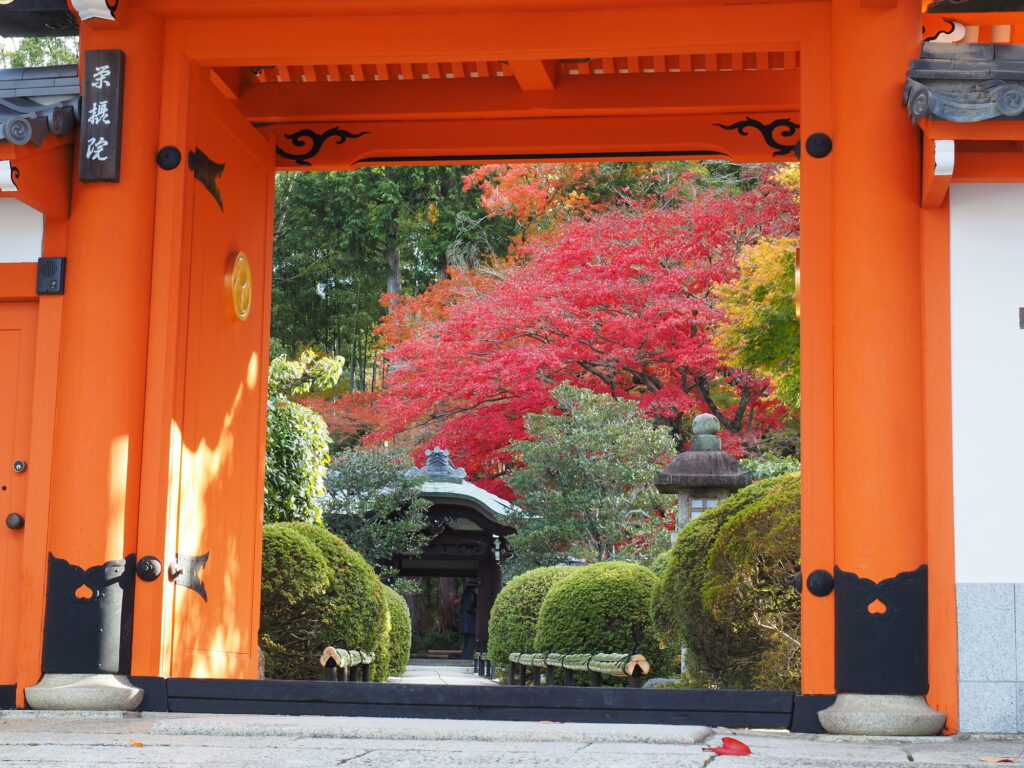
(207, 172)
(820, 583)
(312, 142)
(773, 134)
(818, 145)
(184, 571)
(149, 568)
(168, 158)
(15, 521)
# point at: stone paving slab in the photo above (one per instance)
(425, 729)
(417, 759)
(87, 740)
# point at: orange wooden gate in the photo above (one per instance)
(224, 410)
(17, 360)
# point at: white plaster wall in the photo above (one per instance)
(21, 231)
(986, 292)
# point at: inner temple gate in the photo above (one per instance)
(132, 433)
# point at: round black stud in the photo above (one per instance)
(20, 466)
(168, 158)
(149, 568)
(796, 581)
(818, 145)
(15, 521)
(820, 583)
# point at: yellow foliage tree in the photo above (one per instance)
(761, 330)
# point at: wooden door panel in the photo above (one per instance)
(221, 495)
(17, 366)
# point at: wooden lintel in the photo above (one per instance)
(534, 74)
(333, 146)
(481, 98)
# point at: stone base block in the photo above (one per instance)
(83, 691)
(859, 714)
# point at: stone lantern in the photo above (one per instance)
(703, 475)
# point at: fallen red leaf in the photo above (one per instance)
(730, 747)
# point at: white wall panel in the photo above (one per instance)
(21, 231)
(986, 293)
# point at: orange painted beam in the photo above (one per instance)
(493, 36)
(938, 441)
(978, 167)
(989, 130)
(100, 385)
(479, 141)
(243, 8)
(44, 179)
(817, 438)
(18, 281)
(534, 74)
(479, 98)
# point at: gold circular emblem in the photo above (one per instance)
(240, 286)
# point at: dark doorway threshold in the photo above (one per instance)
(730, 709)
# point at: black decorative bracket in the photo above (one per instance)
(773, 133)
(89, 616)
(882, 633)
(184, 572)
(312, 142)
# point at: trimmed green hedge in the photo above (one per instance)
(316, 592)
(399, 634)
(513, 621)
(724, 595)
(602, 608)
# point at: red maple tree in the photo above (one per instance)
(618, 302)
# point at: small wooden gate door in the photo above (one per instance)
(17, 363)
(216, 611)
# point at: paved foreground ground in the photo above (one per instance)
(109, 740)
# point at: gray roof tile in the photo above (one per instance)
(20, 87)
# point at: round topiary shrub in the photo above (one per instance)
(659, 564)
(723, 647)
(513, 621)
(400, 633)
(316, 592)
(602, 608)
(757, 549)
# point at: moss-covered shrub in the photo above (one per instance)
(757, 549)
(513, 621)
(660, 563)
(602, 608)
(316, 592)
(400, 633)
(724, 587)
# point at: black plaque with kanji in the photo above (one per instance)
(99, 157)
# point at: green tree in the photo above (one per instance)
(724, 596)
(375, 507)
(298, 443)
(343, 238)
(298, 452)
(584, 481)
(38, 51)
